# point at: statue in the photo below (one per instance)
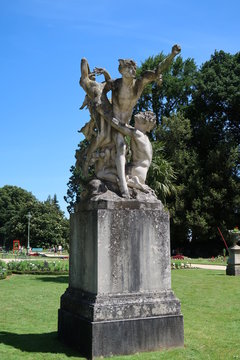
(119, 269)
(109, 124)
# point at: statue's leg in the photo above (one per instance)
(120, 164)
(105, 110)
(133, 182)
(105, 132)
(96, 142)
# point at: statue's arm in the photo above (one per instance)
(84, 68)
(109, 85)
(122, 128)
(167, 61)
(102, 71)
(154, 75)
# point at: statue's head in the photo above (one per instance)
(145, 121)
(127, 68)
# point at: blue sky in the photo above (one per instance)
(42, 42)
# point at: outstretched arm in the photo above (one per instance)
(167, 61)
(122, 128)
(85, 71)
(155, 75)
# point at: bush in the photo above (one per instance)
(4, 272)
(180, 265)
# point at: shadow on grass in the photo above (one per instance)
(37, 343)
(57, 279)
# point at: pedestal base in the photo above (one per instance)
(122, 337)
(233, 270)
(119, 300)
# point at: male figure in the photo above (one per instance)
(140, 146)
(125, 94)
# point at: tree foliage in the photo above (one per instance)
(200, 134)
(195, 169)
(214, 113)
(48, 224)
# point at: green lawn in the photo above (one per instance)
(210, 305)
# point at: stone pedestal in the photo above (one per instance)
(119, 299)
(233, 265)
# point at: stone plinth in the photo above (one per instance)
(119, 299)
(233, 265)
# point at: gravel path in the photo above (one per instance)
(209, 267)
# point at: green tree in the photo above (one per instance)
(12, 201)
(77, 180)
(161, 175)
(176, 134)
(214, 113)
(203, 150)
(48, 223)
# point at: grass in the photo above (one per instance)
(210, 305)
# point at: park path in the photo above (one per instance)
(209, 267)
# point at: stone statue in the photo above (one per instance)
(119, 263)
(109, 124)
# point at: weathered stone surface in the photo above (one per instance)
(120, 279)
(233, 270)
(108, 338)
(120, 247)
(233, 266)
(109, 124)
(120, 306)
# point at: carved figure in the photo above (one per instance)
(141, 148)
(99, 107)
(111, 120)
(125, 94)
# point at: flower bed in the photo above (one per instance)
(38, 267)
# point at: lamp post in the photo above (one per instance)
(28, 244)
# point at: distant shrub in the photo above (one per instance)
(179, 265)
(4, 272)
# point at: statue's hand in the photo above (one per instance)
(176, 49)
(99, 71)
